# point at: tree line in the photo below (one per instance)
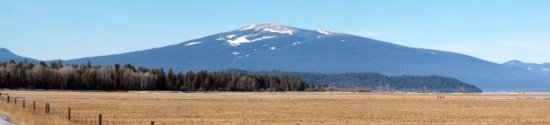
(377, 82)
(56, 75)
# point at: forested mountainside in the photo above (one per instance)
(378, 82)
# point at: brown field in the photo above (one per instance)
(139, 108)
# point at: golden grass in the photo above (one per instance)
(280, 108)
(28, 117)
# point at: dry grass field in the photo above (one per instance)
(139, 108)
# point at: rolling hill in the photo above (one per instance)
(7, 55)
(540, 68)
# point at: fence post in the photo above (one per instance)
(23, 103)
(15, 100)
(99, 122)
(152, 122)
(69, 114)
(46, 108)
(8, 98)
(34, 105)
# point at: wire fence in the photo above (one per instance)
(88, 117)
(72, 115)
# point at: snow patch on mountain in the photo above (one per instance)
(325, 32)
(262, 38)
(244, 39)
(296, 43)
(193, 43)
(238, 41)
(270, 27)
(272, 48)
(546, 69)
(221, 38)
(235, 53)
(281, 31)
(230, 36)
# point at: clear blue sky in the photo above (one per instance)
(495, 30)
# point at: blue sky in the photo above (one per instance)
(494, 30)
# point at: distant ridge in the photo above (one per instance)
(541, 68)
(377, 82)
(7, 55)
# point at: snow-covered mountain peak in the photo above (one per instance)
(268, 32)
(270, 27)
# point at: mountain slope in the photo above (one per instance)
(7, 55)
(540, 68)
(276, 47)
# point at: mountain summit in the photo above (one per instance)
(7, 55)
(261, 32)
(5, 51)
(270, 47)
(270, 27)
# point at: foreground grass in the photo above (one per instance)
(280, 108)
(28, 117)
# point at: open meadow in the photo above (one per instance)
(304, 108)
